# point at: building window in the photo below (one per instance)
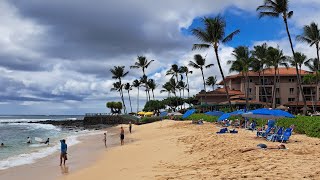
(291, 90)
(250, 80)
(291, 80)
(308, 98)
(278, 101)
(291, 99)
(250, 90)
(277, 90)
(277, 80)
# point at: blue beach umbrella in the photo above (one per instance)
(164, 113)
(188, 113)
(227, 115)
(268, 114)
(214, 113)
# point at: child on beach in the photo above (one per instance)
(63, 154)
(121, 135)
(105, 139)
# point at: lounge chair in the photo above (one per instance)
(222, 131)
(286, 135)
(274, 137)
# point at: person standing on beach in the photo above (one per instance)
(130, 127)
(105, 139)
(63, 154)
(28, 140)
(121, 135)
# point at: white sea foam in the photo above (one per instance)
(30, 158)
(35, 126)
(21, 120)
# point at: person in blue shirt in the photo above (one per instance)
(63, 154)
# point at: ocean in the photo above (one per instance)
(14, 131)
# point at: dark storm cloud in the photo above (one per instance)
(95, 29)
(14, 62)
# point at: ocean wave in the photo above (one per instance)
(34, 126)
(30, 158)
(21, 120)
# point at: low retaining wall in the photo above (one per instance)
(108, 119)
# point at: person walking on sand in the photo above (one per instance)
(63, 154)
(121, 135)
(105, 139)
(130, 127)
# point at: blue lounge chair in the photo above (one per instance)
(286, 135)
(222, 131)
(274, 137)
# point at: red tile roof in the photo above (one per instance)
(270, 72)
(221, 92)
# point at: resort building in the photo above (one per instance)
(261, 87)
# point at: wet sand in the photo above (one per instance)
(81, 155)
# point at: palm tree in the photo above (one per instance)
(275, 58)
(185, 70)
(200, 63)
(167, 88)
(143, 63)
(118, 73)
(260, 53)
(128, 87)
(276, 8)
(298, 60)
(144, 80)
(211, 81)
(174, 71)
(213, 34)
(241, 64)
(182, 86)
(311, 35)
(152, 85)
(136, 83)
(312, 64)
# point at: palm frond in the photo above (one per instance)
(200, 46)
(270, 14)
(230, 36)
(209, 65)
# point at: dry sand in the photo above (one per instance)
(181, 150)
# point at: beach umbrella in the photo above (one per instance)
(267, 114)
(148, 113)
(282, 107)
(164, 113)
(214, 113)
(188, 113)
(141, 113)
(176, 114)
(227, 115)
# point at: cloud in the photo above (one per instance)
(59, 53)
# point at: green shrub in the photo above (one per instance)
(146, 120)
(198, 116)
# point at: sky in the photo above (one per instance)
(56, 56)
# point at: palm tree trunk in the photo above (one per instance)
(188, 86)
(121, 93)
(204, 87)
(130, 100)
(264, 88)
(247, 91)
(184, 104)
(138, 101)
(317, 74)
(152, 94)
(223, 79)
(297, 71)
(274, 89)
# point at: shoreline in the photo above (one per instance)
(78, 158)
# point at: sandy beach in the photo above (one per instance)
(181, 150)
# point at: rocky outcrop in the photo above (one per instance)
(108, 119)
